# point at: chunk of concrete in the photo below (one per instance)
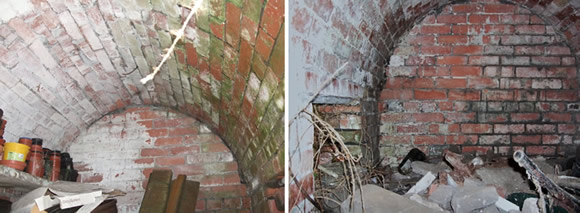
(422, 168)
(419, 199)
(470, 198)
(490, 209)
(423, 184)
(504, 177)
(442, 196)
(505, 205)
(531, 206)
(377, 199)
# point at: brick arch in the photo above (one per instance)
(67, 64)
(121, 149)
(482, 77)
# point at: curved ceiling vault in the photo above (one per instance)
(64, 64)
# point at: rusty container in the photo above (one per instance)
(55, 162)
(36, 158)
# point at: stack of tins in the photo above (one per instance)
(29, 155)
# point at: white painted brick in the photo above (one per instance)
(546, 84)
(43, 54)
(104, 59)
(7, 77)
(70, 26)
(91, 37)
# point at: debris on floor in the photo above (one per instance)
(374, 198)
(464, 183)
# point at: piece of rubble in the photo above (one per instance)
(422, 168)
(469, 198)
(471, 182)
(505, 205)
(377, 199)
(423, 184)
(504, 177)
(489, 209)
(531, 205)
(442, 196)
(477, 161)
(419, 199)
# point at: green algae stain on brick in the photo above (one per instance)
(218, 9)
(238, 3)
(216, 51)
(252, 9)
(202, 43)
(277, 58)
(202, 16)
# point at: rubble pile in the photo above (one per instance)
(461, 184)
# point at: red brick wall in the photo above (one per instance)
(120, 151)
(483, 77)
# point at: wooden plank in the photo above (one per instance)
(175, 194)
(155, 198)
(188, 199)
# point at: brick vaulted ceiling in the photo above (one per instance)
(66, 63)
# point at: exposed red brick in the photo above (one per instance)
(557, 117)
(453, 60)
(428, 117)
(436, 50)
(451, 83)
(431, 140)
(484, 19)
(168, 141)
(457, 117)
(461, 139)
(464, 95)
(146, 152)
(421, 40)
(462, 71)
(451, 19)
(541, 150)
(477, 149)
(476, 128)
(435, 29)
(527, 139)
(482, 83)
(452, 39)
(498, 8)
(466, 8)
(430, 94)
(467, 50)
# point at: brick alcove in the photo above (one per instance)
(66, 64)
(483, 77)
(378, 93)
(121, 149)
